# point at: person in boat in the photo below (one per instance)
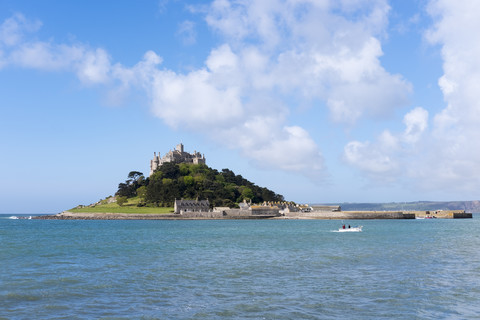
(343, 227)
(348, 226)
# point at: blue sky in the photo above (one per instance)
(321, 101)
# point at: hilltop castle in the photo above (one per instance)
(178, 156)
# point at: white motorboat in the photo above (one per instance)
(351, 229)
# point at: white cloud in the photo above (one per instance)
(416, 122)
(369, 158)
(290, 149)
(318, 53)
(13, 29)
(193, 101)
(270, 144)
(94, 67)
(19, 48)
(45, 56)
(454, 159)
(273, 51)
(445, 155)
(388, 157)
(222, 60)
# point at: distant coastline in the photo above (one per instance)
(468, 206)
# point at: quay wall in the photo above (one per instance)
(443, 214)
(344, 215)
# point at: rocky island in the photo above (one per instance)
(182, 186)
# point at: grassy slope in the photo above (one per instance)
(129, 207)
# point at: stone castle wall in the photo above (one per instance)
(178, 155)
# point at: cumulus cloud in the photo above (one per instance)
(318, 53)
(376, 159)
(416, 122)
(193, 100)
(273, 51)
(456, 129)
(441, 153)
(19, 48)
(388, 157)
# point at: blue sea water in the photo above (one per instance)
(239, 269)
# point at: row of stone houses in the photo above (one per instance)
(189, 207)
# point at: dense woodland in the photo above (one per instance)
(192, 181)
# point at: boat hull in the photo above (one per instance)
(355, 229)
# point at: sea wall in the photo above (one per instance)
(344, 215)
(443, 214)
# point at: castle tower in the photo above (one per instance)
(178, 156)
(154, 163)
(179, 147)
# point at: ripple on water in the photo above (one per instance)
(239, 269)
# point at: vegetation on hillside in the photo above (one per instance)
(131, 206)
(192, 181)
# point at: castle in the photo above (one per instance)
(178, 156)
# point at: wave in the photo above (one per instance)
(15, 217)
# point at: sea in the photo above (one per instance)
(239, 269)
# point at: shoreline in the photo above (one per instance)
(314, 215)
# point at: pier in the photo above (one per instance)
(360, 215)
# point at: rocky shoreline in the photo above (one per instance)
(66, 215)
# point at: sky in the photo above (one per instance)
(322, 101)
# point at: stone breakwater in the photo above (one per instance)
(364, 215)
(348, 215)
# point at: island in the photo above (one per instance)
(182, 186)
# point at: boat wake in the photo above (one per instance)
(353, 229)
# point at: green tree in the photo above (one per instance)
(121, 200)
(247, 193)
(170, 170)
(190, 181)
(142, 192)
(128, 189)
(134, 176)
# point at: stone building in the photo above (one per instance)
(178, 155)
(182, 206)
